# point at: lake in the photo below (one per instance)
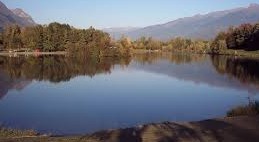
(78, 95)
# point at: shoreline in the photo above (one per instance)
(234, 53)
(32, 53)
(238, 129)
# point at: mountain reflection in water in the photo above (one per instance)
(220, 71)
(82, 94)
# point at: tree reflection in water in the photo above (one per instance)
(243, 69)
(17, 72)
(57, 68)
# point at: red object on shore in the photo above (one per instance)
(37, 50)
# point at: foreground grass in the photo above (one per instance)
(14, 135)
(6, 132)
(236, 129)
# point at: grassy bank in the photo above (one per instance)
(10, 133)
(229, 52)
(32, 53)
(242, 53)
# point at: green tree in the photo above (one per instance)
(1, 41)
(12, 38)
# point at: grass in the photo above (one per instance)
(251, 109)
(13, 135)
(253, 54)
(231, 52)
(6, 132)
(215, 128)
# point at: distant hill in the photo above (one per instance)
(198, 26)
(16, 16)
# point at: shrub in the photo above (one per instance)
(251, 109)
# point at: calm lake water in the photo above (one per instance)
(78, 95)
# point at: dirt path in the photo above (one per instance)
(236, 129)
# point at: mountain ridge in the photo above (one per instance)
(199, 26)
(16, 16)
(20, 12)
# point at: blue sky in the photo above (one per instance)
(119, 13)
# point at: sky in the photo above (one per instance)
(119, 13)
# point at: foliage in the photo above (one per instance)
(1, 40)
(6, 132)
(245, 37)
(219, 43)
(123, 46)
(62, 37)
(174, 45)
(55, 37)
(12, 37)
(251, 109)
(147, 43)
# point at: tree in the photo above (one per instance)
(219, 43)
(11, 37)
(56, 37)
(244, 37)
(1, 40)
(33, 38)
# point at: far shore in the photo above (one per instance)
(235, 53)
(32, 53)
(228, 129)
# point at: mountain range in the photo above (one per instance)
(198, 26)
(14, 16)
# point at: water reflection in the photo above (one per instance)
(243, 69)
(80, 94)
(57, 68)
(216, 71)
(7, 84)
(151, 58)
(17, 72)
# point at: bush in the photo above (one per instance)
(251, 109)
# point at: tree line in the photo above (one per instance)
(174, 45)
(245, 37)
(54, 37)
(62, 37)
